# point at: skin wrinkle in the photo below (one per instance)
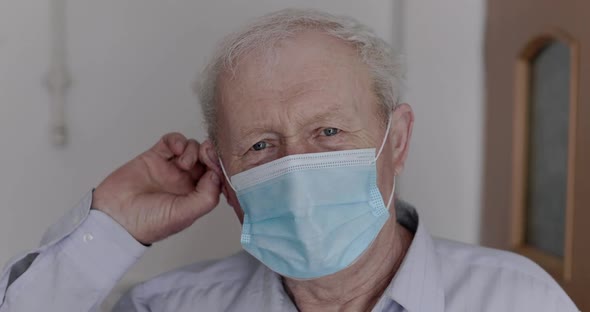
(271, 82)
(316, 81)
(271, 31)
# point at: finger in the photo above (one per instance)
(190, 156)
(202, 200)
(170, 145)
(208, 156)
(197, 171)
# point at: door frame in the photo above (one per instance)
(560, 269)
(514, 31)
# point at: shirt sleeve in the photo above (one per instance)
(80, 260)
(130, 302)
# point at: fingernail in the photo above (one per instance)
(178, 145)
(215, 178)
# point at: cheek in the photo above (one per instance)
(232, 200)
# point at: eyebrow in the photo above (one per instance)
(331, 111)
(251, 132)
(242, 139)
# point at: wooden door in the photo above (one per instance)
(537, 143)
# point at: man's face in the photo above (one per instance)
(310, 94)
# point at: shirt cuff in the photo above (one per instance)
(102, 248)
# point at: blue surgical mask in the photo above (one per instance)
(311, 215)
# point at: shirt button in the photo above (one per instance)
(87, 237)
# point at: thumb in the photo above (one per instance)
(202, 200)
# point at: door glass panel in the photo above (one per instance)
(548, 145)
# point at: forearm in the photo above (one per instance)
(73, 271)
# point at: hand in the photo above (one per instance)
(160, 192)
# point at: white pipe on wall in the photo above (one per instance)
(58, 78)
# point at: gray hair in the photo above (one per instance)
(385, 67)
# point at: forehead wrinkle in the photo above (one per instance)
(301, 89)
(266, 84)
(331, 113)
(246, 133)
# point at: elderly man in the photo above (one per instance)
(306, 138)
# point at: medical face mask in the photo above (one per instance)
(312, 215)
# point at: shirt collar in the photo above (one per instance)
(416, 286)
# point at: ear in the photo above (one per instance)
(401, 131)
(209, 157)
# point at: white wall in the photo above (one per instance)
(443, 43)
(132, 64)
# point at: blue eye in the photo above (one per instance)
(331, 131)
(259, 146)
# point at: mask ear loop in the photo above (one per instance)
(379, 153)
(225, 175)
(391, 195)
(384, 138)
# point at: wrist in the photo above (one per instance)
(106, 204)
